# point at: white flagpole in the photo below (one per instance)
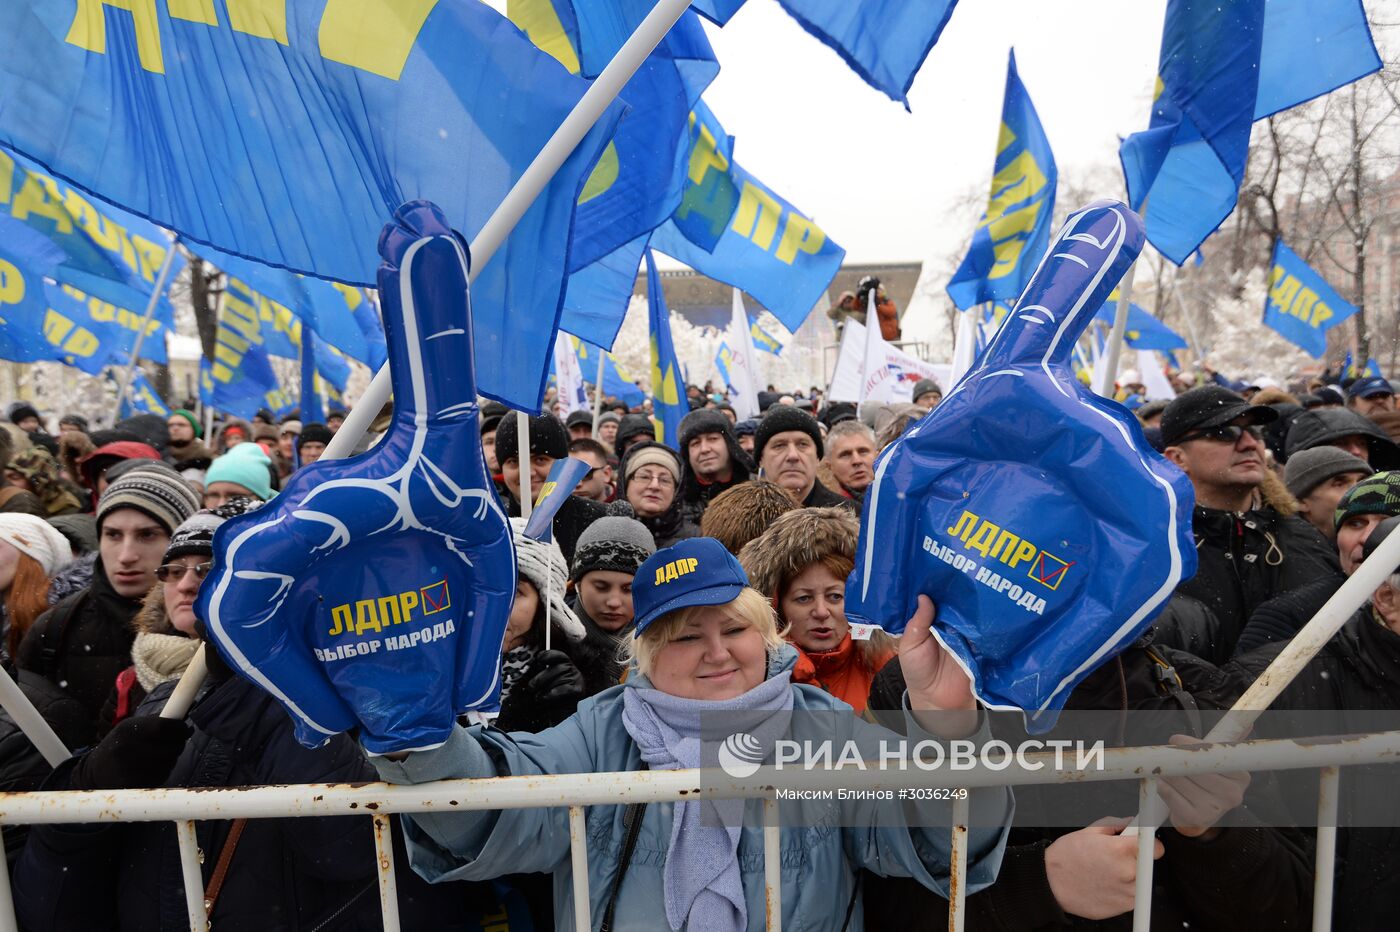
(1114, 350)
(598, 390)
(158, 289)
(527, 501)
(561, 145)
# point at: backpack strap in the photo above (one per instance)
(631, 828)
(56, 631)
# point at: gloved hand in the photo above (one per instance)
(1032, 511)
(374, 592)
(548, 692)
(138, 754)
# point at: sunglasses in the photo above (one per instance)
(1230, 433)
(174, 572)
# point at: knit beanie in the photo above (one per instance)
(652, 454)
(547, 437)
(1374, 495)
(316, 433)
(543, 565)
(1310, 468)
(783, 418)
(612, 543)
(609, 417)
(189, 416)
(35, 537)
(245, 465)
(195, 536)
(160, 494)
(703, 421)
(634, 425)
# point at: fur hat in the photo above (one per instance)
(794, 542)
(739, 514)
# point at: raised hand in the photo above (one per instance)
(1030, 509)
(373, 592)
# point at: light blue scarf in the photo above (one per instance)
(703, 883)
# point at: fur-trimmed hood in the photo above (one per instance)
(795, 541)
(152, 619)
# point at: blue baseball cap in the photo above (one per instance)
(1365, 388)
(695, 571)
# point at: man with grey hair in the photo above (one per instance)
(850, 454)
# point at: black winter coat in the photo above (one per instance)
(822, 497)
(81, 644)
(285, 874)
(1280, 618)
(1246, 559)
(1247, 877)
(1358, 670)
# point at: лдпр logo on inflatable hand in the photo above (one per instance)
(1031, 510)
(373, 592)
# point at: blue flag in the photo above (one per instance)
(598, 296)
(564, 476)
(313, 410)
(106, 252)
(143, 398)
(733, 228)
(240, 378)
(667, 384)
(1300, 304)
(994, 504)
(1225, 64)
(616, 383)
(1144, 331)
(637, 183)
(288, 134)
(1015, 227)
(884, 41)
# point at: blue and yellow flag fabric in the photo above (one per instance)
(735, 229)
(883, 41)
(1144, 331)
(1225, 64)
(617, 383)
(765, 341)
(668, 398)
(1012, 235)
(1300, 304)
(288, 133)
(106, 253)
(597, 298)
(637, 183)
(143, 398)
(564, 476)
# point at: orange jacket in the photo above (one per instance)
(889, 319)
(841, 672)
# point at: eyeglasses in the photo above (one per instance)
(1229, 433)
(174, 572)
(662, 479)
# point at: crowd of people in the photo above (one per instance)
(107, 533)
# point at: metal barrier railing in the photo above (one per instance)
(577, 791)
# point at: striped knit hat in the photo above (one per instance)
(157, 492)
(195, 536)
(1374, 495)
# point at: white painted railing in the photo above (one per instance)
(577, 791)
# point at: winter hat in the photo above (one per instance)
(1367, 387)
(1323, 426)
(924, 387)
(160, 494)
(652, 454)
(703, 421)
(21, 410)
(316, 433)
(100, 460)
(612, 543)
(1152, 409)
(151, 429)
(739, 514)
(17, 501)
(35, 537)
(543, 565)
(491, 413)
(195, 536)
(245, 465)
(1375, 495)
(631, 426)
(77, 420)
(289, 426)
(794, 542)
(579, 419)
(189, 416)
(783, 418)
(838, 411)
(1310, 468)
(79, 530)
(37, 465)
(548, 437)
(609, 417)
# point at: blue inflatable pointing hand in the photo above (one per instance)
(373, 592)
(1032, 511)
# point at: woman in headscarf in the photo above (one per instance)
(651, 481)
(707, 645)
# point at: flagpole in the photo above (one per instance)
(522, 446)
(1114, 350)
(157, 290)
(561, 145)
(598, 390)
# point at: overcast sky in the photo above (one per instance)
(881, 180)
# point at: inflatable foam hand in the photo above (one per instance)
(373, 592)
(1032, 511)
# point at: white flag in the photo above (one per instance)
(1159, 387)
(845, 378)
(568, 377)
(743, 372)
(964, 346)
